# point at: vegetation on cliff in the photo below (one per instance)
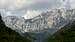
(8, 35)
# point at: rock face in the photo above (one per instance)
(42, 25)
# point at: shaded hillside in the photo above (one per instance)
(8, 35)
(66, 34)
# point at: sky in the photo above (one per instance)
(23, 7)
(27, 4)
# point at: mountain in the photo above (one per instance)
(66, 34)
(9, 35)
(43, 25)
(43, 22)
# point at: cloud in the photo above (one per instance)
(14, 4)
(20, 4)
(31, 14)
(21, 7)
(72, 2)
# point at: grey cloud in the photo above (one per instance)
(32, 5)
(42, 5)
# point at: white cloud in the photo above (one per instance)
(17, 6)
(14, 4)
(31, 14)
(72, 2)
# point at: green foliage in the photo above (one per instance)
(8, 35)
(64, 35)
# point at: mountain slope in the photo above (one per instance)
(66, 34)
(43, 25)
(43, 22)
(8, 35)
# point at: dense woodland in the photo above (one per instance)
(66, 34)
(63, 35)
(8, 35)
